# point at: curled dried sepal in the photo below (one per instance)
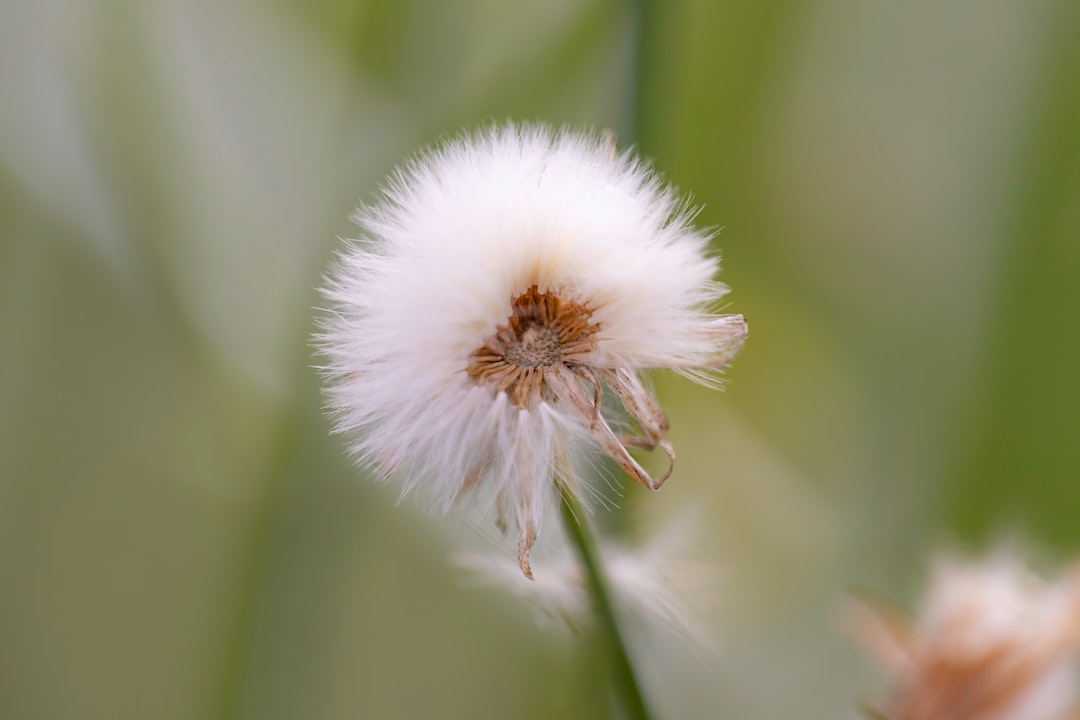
(528, 537)
(727, 333)
(641, 405)
(566, 386)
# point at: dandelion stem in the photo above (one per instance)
(580, 536)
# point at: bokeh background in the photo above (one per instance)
(898, 187)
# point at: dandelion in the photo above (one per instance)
(500, 283)
(994, 642)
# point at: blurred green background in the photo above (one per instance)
(899, 190)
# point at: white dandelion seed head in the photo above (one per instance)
(993, 641)
(499, 282)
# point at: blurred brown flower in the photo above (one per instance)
(992, 642)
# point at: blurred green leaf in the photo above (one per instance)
(1020, 470)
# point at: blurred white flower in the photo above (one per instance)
(658, 583)
(993, 642)
(498, 285)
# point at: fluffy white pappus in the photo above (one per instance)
(993, 642)
(498, 283)
(657, 586)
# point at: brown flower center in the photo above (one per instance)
(537, 346)
(543, 331)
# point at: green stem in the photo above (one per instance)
(636, 116)
(234, 701)
(626, 682)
